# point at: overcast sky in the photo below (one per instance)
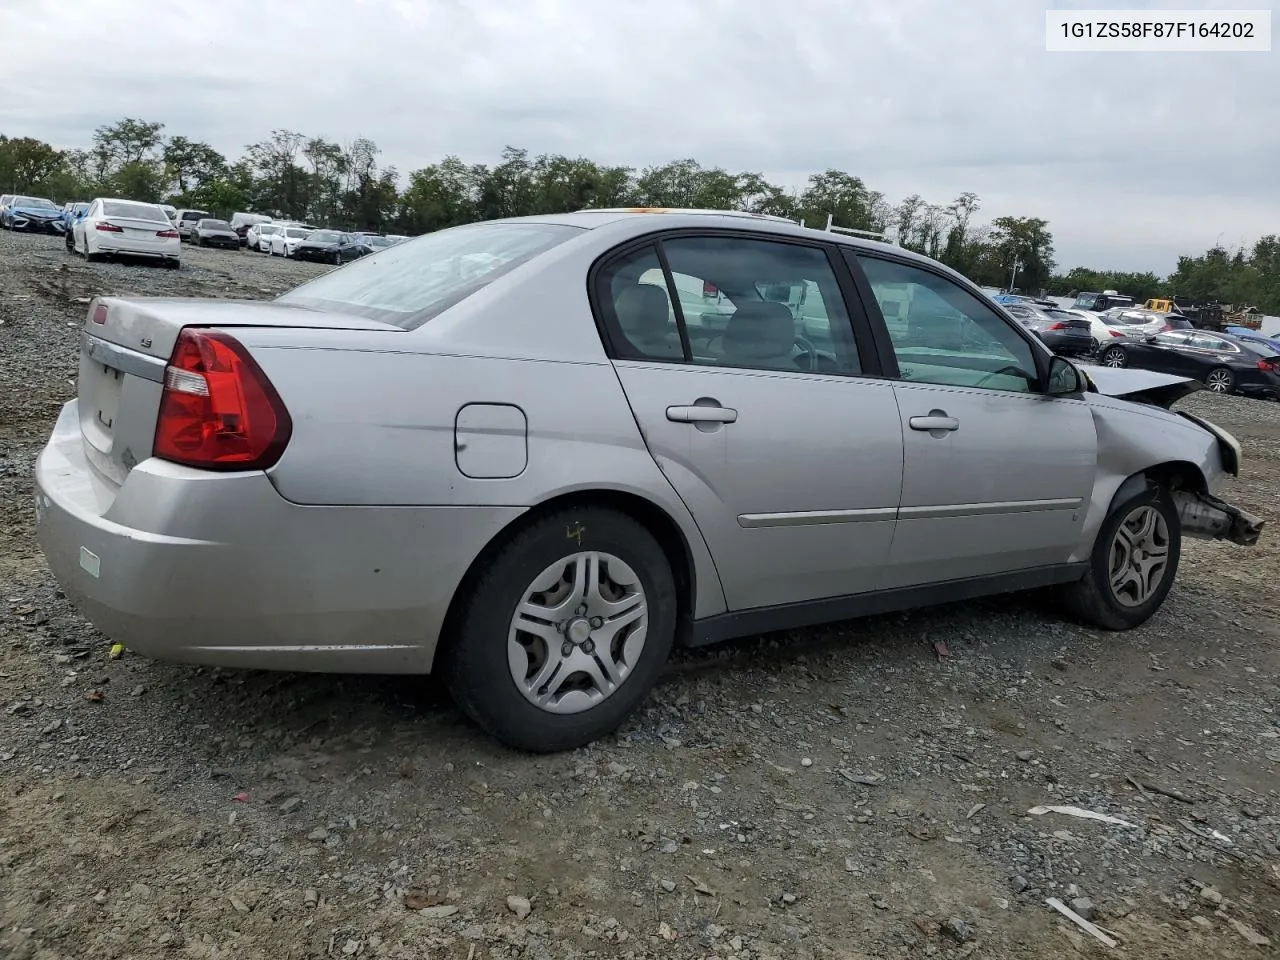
(1132, 158)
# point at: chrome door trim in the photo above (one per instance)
(985, 509)
(123, 359)
(802, 518)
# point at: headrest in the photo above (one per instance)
(760, 330)
(643, 310)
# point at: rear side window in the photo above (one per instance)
(410, 283)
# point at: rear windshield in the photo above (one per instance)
(409, 283)
(133, 211)
(194, 215)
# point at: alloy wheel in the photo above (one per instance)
(1114, 357)
(1139, 556)
(1219, 381)
(577, 632)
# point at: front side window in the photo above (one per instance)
(949, 336)
(738, 302)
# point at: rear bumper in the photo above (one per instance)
(197, 567)
(109, 245)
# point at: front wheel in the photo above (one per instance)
(1133, 563)
(1115, 357)
(564, 631)
(1220, 380)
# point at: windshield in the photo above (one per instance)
(133, 211)
(37, 203)
(194, 215)
(1086, 301)
(215, 225)
(324, 236)
(297, 233)
(409, 283)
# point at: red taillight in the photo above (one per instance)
(218, 410)
(1270, 364)
(167, 234)
(107, 227)
(1115, 333)
(1059, 325)
(100, 313)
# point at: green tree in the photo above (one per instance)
(189, 164)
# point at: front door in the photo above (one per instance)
(997, 476)
(789, 459)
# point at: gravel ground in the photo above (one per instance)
(843, 792)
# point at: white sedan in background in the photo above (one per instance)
(125, 228)
(258, 235)
(285, 241)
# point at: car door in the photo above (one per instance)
(1167, 353)
(770, 426)
(997, 475)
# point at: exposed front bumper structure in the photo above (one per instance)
(1206, 517)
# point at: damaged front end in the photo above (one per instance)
(1206, 517)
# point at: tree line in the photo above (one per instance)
(289, 174)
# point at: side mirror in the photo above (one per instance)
(1064, 378)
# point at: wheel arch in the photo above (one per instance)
(675, 545)
(1170, 475)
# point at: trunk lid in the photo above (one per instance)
(135, 229)
(123, 360)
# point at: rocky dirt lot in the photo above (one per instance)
(844, 792)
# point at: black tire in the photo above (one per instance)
(475, 662)
(337, 259)
(1225, 379)
(173, 264)
(1116, 354)
(69, 239)
(1092, 599)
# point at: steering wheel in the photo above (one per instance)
(808, 351)
(1009, 370)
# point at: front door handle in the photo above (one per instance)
(700, 414)
(936, 420)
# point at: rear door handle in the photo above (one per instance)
(934, 422)
(699, 414)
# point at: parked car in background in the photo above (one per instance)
(1098, 302)
(397, 238)
(1248, 335)
(1223, 363)
(544, 553)
(32, 214)
(257, 235)
(330, 246)
(285, 241)
(113, 228)
(71, 212)
(1143, 323)
(216, 233)
(1099, 331)
(170, 211)
(4, 202)
(372, 243)
(1062, 331)
(186, 222)
(241, 222)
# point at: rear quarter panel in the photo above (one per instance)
(375, 427)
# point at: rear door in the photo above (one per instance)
(997, 475)
(766, 417)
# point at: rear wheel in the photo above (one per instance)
(69, 239)
(1115, 357)
(1220, 380)
(1133, 563)
(564, 631)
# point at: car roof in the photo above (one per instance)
(637, 221)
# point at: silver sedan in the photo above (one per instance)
(525, 453)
